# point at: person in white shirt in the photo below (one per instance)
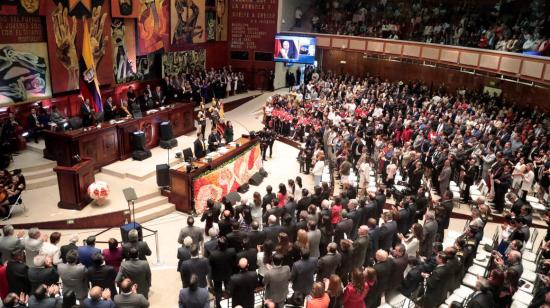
(318, 169)
(51, 249)
(412, 242)
(528, 178)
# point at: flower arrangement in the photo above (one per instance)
(99, 191)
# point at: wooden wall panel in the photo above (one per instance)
(357, 44)
(489, 62)
(511, 65)
(430, 53)
(375, 46)
(532, 69)
(469, 58)
(449, 56)
(411, 50)
(395, 49)
(339, 43)
(547, 72)
(323, 41)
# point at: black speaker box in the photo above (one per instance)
(263, 172)
(138, 141)
(187, 154)
(233, 197)
(141, 155)
(166, 130)
(256, 179)
(124, 229)
(243, 188)
(168, 144)
(163, 175)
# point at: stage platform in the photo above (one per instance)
(42, 193)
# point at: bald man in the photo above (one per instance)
(360, 247)
(383, 269)
(242, 285)
(99, 298)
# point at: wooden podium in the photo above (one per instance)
(73, 184)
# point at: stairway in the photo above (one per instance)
(40, 176)
(151, 206)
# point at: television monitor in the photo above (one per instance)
(294, 49)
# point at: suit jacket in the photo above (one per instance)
(196, 233)
(66, 248)
(380, 201)
(209, 246)
(387, 236)
(250, 254)
(481, 300)
(276, 283)
(198, 149)
(374, 235)
(241, 288)
(140, 273)
(131, 301)
(86, 115)
(48, 302)
(272, 232)
(194, 299)
(158, 97)
(108, 113)
(403, 221)
(398, 269)
(327, 265)
(183, 255)
(430, 231)
(383, 274)
(89, 303)
(342, 228)
(74, 278)
(359, 252)
(32, 249)
(142, 248)
(221, 264)
(436, 287)
(255, 238)
(7, 245)
(302, 275)
(85, 254)
(213, 142)
(103, 276)
(18, 277)
(41, 275)
(235, 239)
(455, 274)
(225, 226)
(314, 239)
(198, 266)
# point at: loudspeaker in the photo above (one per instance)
(166, 130)
(187, 154)
(163, 175)
(124, 229)
(168, 144)
(256, 179)
(243, 188)
(263, 172)
(233, 197)
(141, 155)
(138, 141)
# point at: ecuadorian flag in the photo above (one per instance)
(89, 86)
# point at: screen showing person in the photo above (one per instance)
(294, 49)
(286, 49)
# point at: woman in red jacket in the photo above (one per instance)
(356, 291)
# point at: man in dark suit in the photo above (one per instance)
(273, 229)
(328, 264)
(303, 203)
(199, 147)
(374, 234)
(242, 285)
(86, 112)
(158, 97)
(225, 224)
(302, 274)
(184, 252)
(483, 296)
(129, 297)
(380, 201)
(212, 244)
(400, 261)
(221, 265)
(236, 236)
(99, 298)
(43, 272)
(109, 110)
(134, 242)
(470, 174)
(17, 273)
(383, 269)
(214, 140)
(137, 270)
(255, 236)
(443, 212)
(455, 269)
(250, 253)
(102, 275)
(388, 231)
(35, 127)
(361, 245)
(269, 196)
(436, 283)
(66, 248)
(86, 252)
(430, 231)
(276, 281)
(196, 265)
(344, 228)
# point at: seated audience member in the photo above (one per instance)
(58, 118)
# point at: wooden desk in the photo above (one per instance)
(182, 191)
(111, 142)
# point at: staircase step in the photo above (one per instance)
(150, 203)
(33, 175)
(46, 166)
(156, 212)
(42, 182)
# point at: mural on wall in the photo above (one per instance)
(125, 8)
(221, 20)
(187, 22)
(174, 63)
(153, 24)
(149, 66)
(65, 27)
(19, 7)
(124, 49)
(24, 74)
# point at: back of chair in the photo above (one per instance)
(75, 122)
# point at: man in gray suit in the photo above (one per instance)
(328, 263)
(74, 276)
(129, 297)
(302, 276)
(314, 238)
(196, 233)
(430, 231)
(360, 247)
(9, 243)
(133, 241)
(33, 244)
(138, 271)
(388, 231)
(276, 281)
